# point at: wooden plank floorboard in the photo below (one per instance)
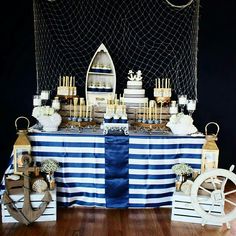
(107, 222)
(79, 221)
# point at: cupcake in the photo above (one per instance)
(124, 118)
(116, 118)
(107, 118)
(101, 87)
(107, 88)
(93, 88)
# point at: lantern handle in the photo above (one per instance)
(22, 117)
(212, 123)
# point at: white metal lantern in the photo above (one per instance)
(21, 146)
(210, 151)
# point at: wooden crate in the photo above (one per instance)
(182, 209)
(50, 214)
(99, 111)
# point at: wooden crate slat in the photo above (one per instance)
(50, 214)
(187, 205)
(189, 219)
(182, 209)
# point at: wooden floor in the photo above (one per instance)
(80, 221)
(106, 222)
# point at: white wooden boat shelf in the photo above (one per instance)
(101, 73)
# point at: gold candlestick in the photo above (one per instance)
(86, 111)
(161, 112)
(150, 111)
(70, 107)
(144, 111)
(75, 101)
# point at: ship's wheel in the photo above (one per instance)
(212, 184)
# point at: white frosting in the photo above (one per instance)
(116, 117)
(134, 91)
(134, 84)
(136, 100)
(124, 117)
(107, 116)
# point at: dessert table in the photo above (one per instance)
(115, 171)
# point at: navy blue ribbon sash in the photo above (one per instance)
(116, 171)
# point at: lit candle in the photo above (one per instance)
(44, 95)
(37, 101)
(182, 99)
(159, 83)
(56, 104)
(166, 86)
(191, 105)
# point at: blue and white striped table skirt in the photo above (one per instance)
(81, 178)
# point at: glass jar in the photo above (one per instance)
(56, 104)
(37, 101)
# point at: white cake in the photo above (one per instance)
(134, 84)
(135, 101)
(134, 94)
